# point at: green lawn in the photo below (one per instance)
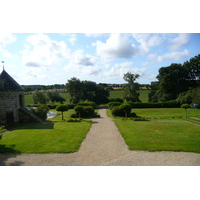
(55, 136)
(161, 132)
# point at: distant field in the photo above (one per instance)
(119, 94)
(29, 98)
(113, 94)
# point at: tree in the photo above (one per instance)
(131, 88)
(62, 108)
(79, 110)
(185, 106)
(172, 81)
(54, 96)
(126, 108)
(39, 97)
(86, 91)
(74, 88)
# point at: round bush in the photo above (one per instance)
(88, 111)
(117, 112)
(126, 108)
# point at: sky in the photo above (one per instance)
(54, 58)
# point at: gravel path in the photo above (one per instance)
(103, 146)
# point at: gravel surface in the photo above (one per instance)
(103, 146)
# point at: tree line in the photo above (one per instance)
(179, 82)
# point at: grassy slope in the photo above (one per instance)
(53, 137)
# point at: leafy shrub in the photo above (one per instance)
(116, 100)
(92, 104)
(86, 112)
(79, 110)
(62, 108)
(41, 112)
(113, 104)
(167, 104)
(116, 112)
(126, 108)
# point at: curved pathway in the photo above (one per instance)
(103, 146)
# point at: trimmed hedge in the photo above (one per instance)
(86, 112)
(92, 104)
(167, 104)
(113, 104)
(117, 112)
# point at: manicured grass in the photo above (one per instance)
(163, 131)
(160, 135)
(165, 112)
(52, 137)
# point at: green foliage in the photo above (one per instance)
(62, 108)
(122, 110)
(41, 112)
(167, 104)
(92, 104)
(185, 106)
(84, 111)
(54, 96)
(176, 79)
(131, 88)
(126, 108)
(186, 97)
(79, 110)
(39, 98)
(116, 112)
(86, 91)
(113, 104)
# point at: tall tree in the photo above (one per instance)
(172, 81)
(86, 90)
(39, 97)
(74, 88)
(131, 88)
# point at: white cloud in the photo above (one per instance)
(6, 39)
(152, 56)
(96, 35)
(41, 51)
(173, 55)
(145, 63)
(146, 42)
(33, 74)
(72, 38)
(180, 41)
(118, 70)
(83, 63)
(116, 46)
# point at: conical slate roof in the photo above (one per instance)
(7, 83)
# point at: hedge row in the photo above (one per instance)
(168, 104)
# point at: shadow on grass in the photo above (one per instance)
(6, 152)
(16, 126)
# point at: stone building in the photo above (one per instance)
(12, 102)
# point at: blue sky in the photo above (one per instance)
(54, 58)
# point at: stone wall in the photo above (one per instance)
(10, 102)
